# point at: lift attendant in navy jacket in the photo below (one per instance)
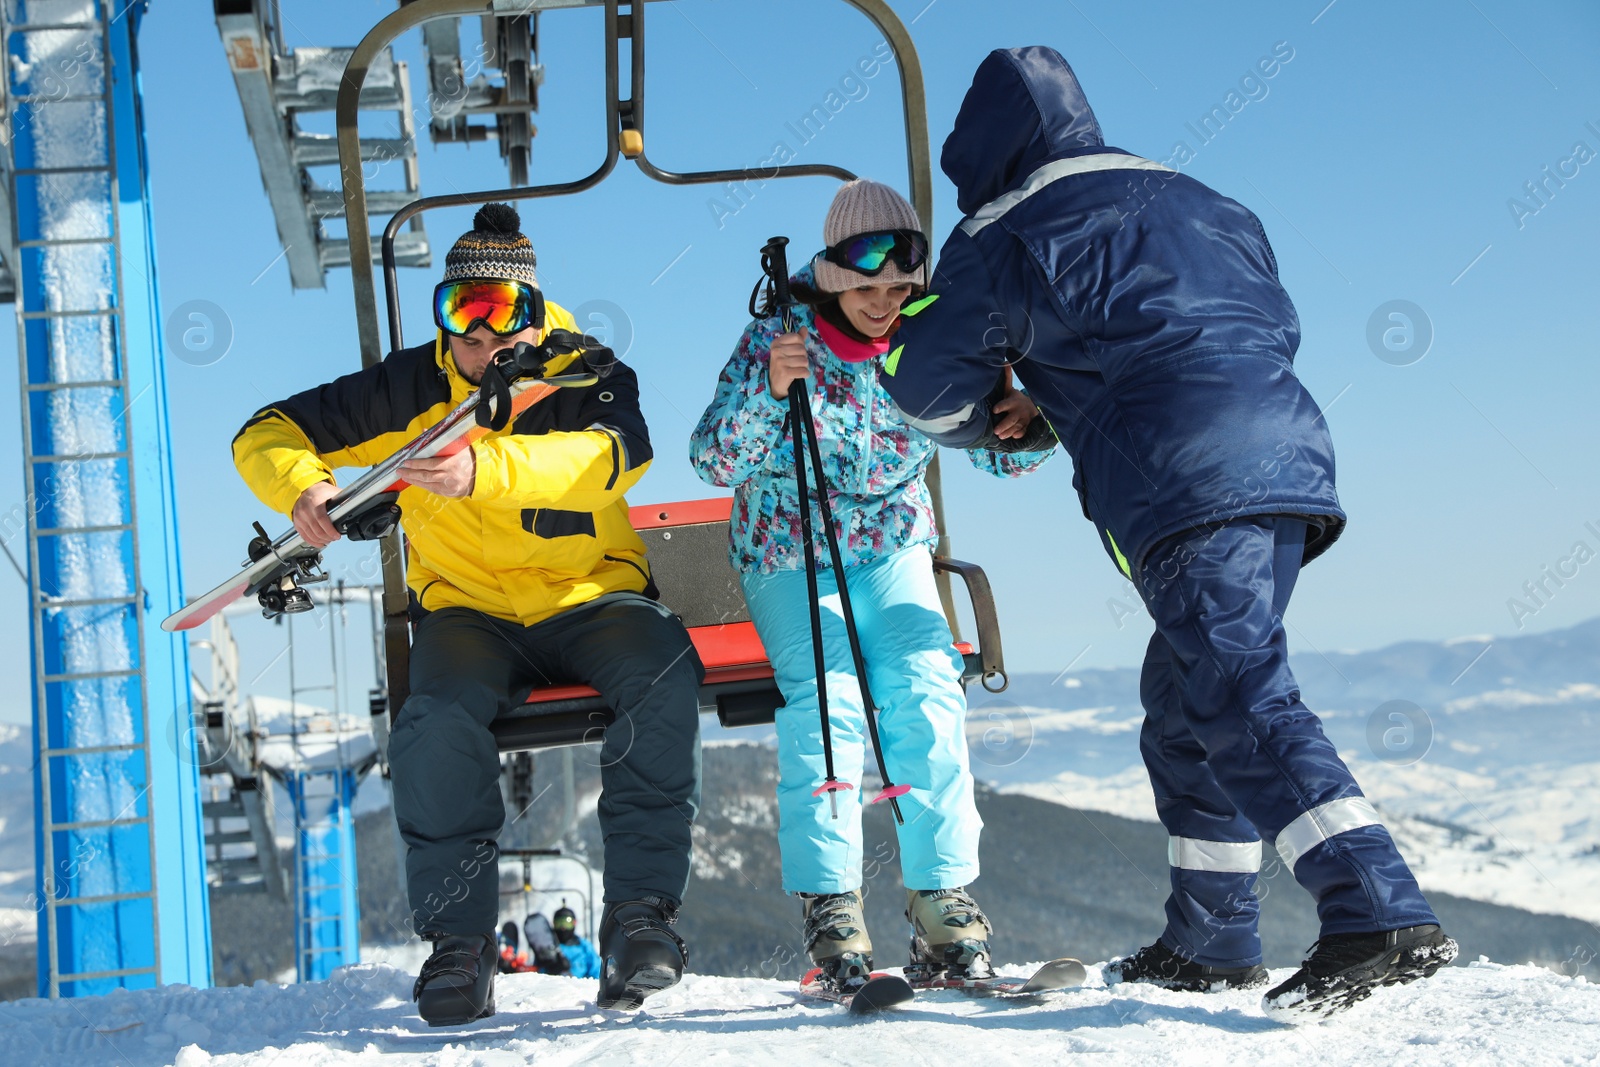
(1143, 313)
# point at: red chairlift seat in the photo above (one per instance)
(688, 547)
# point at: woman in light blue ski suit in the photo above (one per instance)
(874, 467)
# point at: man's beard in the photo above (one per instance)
(474, 379)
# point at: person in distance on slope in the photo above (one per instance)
(1144, 313)
(513, 960)
(547, 955)
(523, 571)
(583, 960)
(852, 294)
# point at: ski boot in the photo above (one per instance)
(1344, 969)
(456, 984)
(949, 936)
(640, 954)
(836, 937)
(1158, 965)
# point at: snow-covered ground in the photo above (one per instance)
(1482, 1014)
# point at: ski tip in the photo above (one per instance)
(203, 608)
(180, 621)
(1064, 973)
(880, 994)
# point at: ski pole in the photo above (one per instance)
(774, 261)
(774, 264)
(890, 791)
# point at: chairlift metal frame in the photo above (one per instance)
(587, 895)
(625, 138)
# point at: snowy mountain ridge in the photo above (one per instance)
(1482, 753)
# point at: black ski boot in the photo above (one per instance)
(949, 936)
(640, 954)
(836, 937)
(1344, 969)
(1158, 965)
(456, 985)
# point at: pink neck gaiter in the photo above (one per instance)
(848, 348)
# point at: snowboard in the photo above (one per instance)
(1064, 973)
(289, 559)
(880, 992)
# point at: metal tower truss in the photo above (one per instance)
(321, 755)
(121, 881)
(327, 913)
(278, 87)
(237, 800)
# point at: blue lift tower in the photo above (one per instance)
(121, 886)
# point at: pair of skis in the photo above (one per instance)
(517, 379)
(883, 992)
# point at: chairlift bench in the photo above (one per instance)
(688, 552)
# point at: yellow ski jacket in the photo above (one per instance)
(546, 527)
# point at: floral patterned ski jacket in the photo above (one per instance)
(872, 460)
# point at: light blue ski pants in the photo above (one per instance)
(914, 673)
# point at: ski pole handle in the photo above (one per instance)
(775, 253)
(775, 261)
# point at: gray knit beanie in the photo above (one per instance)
(494, 249)
(863, 206)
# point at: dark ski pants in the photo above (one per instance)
(1236, 759)
(467, 668)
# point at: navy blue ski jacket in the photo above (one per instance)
(1141, 310)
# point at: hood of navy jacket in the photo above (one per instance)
(1141, 309)
(1025, 105)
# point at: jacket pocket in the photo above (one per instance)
(650, 589)
(548, 522)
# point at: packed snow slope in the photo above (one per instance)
(1481, 1014)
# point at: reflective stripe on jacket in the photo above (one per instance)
(546, 526)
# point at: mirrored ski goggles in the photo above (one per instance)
(459, 307)
(870, 253)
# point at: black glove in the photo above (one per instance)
(1038, 437)
(596, 356)
(528, 361)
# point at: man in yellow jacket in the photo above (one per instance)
(523, 571)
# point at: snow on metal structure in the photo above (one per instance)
(120, 868)
(277, 87)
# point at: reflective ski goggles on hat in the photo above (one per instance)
(870, 253)
(459, 307)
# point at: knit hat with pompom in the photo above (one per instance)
(859, 207)
(495, 248)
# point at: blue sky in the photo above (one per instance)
(1385, 156)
